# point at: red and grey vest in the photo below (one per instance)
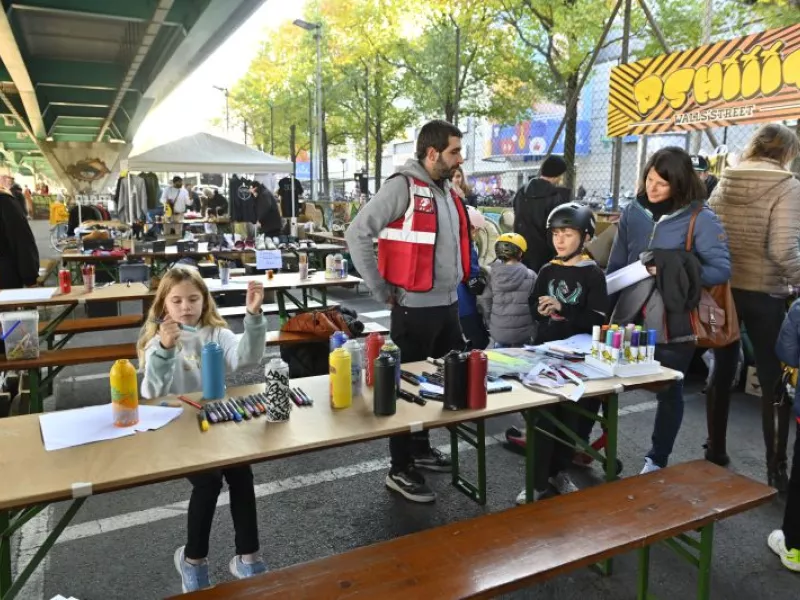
(407, 246)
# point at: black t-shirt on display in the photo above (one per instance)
(285, 193)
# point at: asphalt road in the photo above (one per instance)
(120, 546)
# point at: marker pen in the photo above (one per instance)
(616, 343)
(210, 414)
(652, 336)
(245, 411)
(596, 341)
(226, 412)
(296, 398)
(309, 400)
(201, 421)
(237, 416)
(634, 349)
(253, 410)
(257, 403)
(608, 345)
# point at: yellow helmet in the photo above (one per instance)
(510, 245)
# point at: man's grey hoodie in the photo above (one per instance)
(389, 204)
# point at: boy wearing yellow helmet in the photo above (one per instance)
(506, 298)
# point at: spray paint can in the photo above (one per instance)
(356, 366)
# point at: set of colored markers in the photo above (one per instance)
(631, 344)
(233, 409)
(300, 398)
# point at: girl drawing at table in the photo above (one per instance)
(169, 355)
(569, 298)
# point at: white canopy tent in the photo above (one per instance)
(206, 153)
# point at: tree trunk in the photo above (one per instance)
(570, 134)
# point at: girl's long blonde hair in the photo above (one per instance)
(210, 317)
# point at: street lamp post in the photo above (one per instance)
(344, 162)
(225, 91)
(316, 28)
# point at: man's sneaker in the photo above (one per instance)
(789, 558)
(537, 495)
(411, 485)
(193, 577)
(434, 461)
(649, 466)
(563, 483)
(243, 570)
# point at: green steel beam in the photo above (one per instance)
(65, 94)
(66, 72)
(74, 137)
(99, 8)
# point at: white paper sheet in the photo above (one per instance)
(626, 277)
(491, 386)
(580, 343)
(234, 285)
(69, 428)
(269, 259)
(27, 294)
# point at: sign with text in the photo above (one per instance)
(750, 79)
(269, 259)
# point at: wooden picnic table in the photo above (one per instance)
(34, 477)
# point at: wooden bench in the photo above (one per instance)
(71, 327)
(270, 309)
(55, 360)
(501, 552)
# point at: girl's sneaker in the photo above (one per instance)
(649, 466)
(537, 495)
(789, 558)
(563, 483)
(243, 570)
(193, 577)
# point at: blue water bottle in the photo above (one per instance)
(213, 371)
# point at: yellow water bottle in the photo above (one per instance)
(341, 381)
(124, 394)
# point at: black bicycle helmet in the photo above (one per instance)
(572, 216)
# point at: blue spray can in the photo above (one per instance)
(213, 371)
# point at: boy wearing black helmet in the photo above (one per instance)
(569, 298)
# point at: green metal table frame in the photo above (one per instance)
(474, 434)
(283, 295)
(697, 552)
(10, 522)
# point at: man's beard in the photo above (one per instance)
(442, 170)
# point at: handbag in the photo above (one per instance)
(714, 320)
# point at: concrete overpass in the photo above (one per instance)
(78, 77)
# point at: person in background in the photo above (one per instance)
(657, 222)
(785, 542)
(464, 190)
(506, 298)
(194, 198)
(267, 211)
(19, 256)
(16, 191)
(29, 200)
(423, 254)
(700, 164)
(216, 204)
(532, 204)
(170, 356)
(758, 203)
(581, 193)
(175, 201)
(472, 324)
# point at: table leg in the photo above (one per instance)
(611, 412)
(477, 439)
(5, 555)
(15, 587)
(36, 404)
(706, 551)
(643, 580)
(530, 452)
(282, 314)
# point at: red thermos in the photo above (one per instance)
(373, 344)
(477, 370)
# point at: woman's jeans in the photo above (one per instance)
(669, 414)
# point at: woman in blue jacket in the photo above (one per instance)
(472, 325)
(785, 542)
(670, 193)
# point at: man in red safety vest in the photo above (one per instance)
(423, 254)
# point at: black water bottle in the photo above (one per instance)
(384, 392)
(455, 381)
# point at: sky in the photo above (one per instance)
(176, 117)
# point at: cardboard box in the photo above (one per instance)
(752, 385)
